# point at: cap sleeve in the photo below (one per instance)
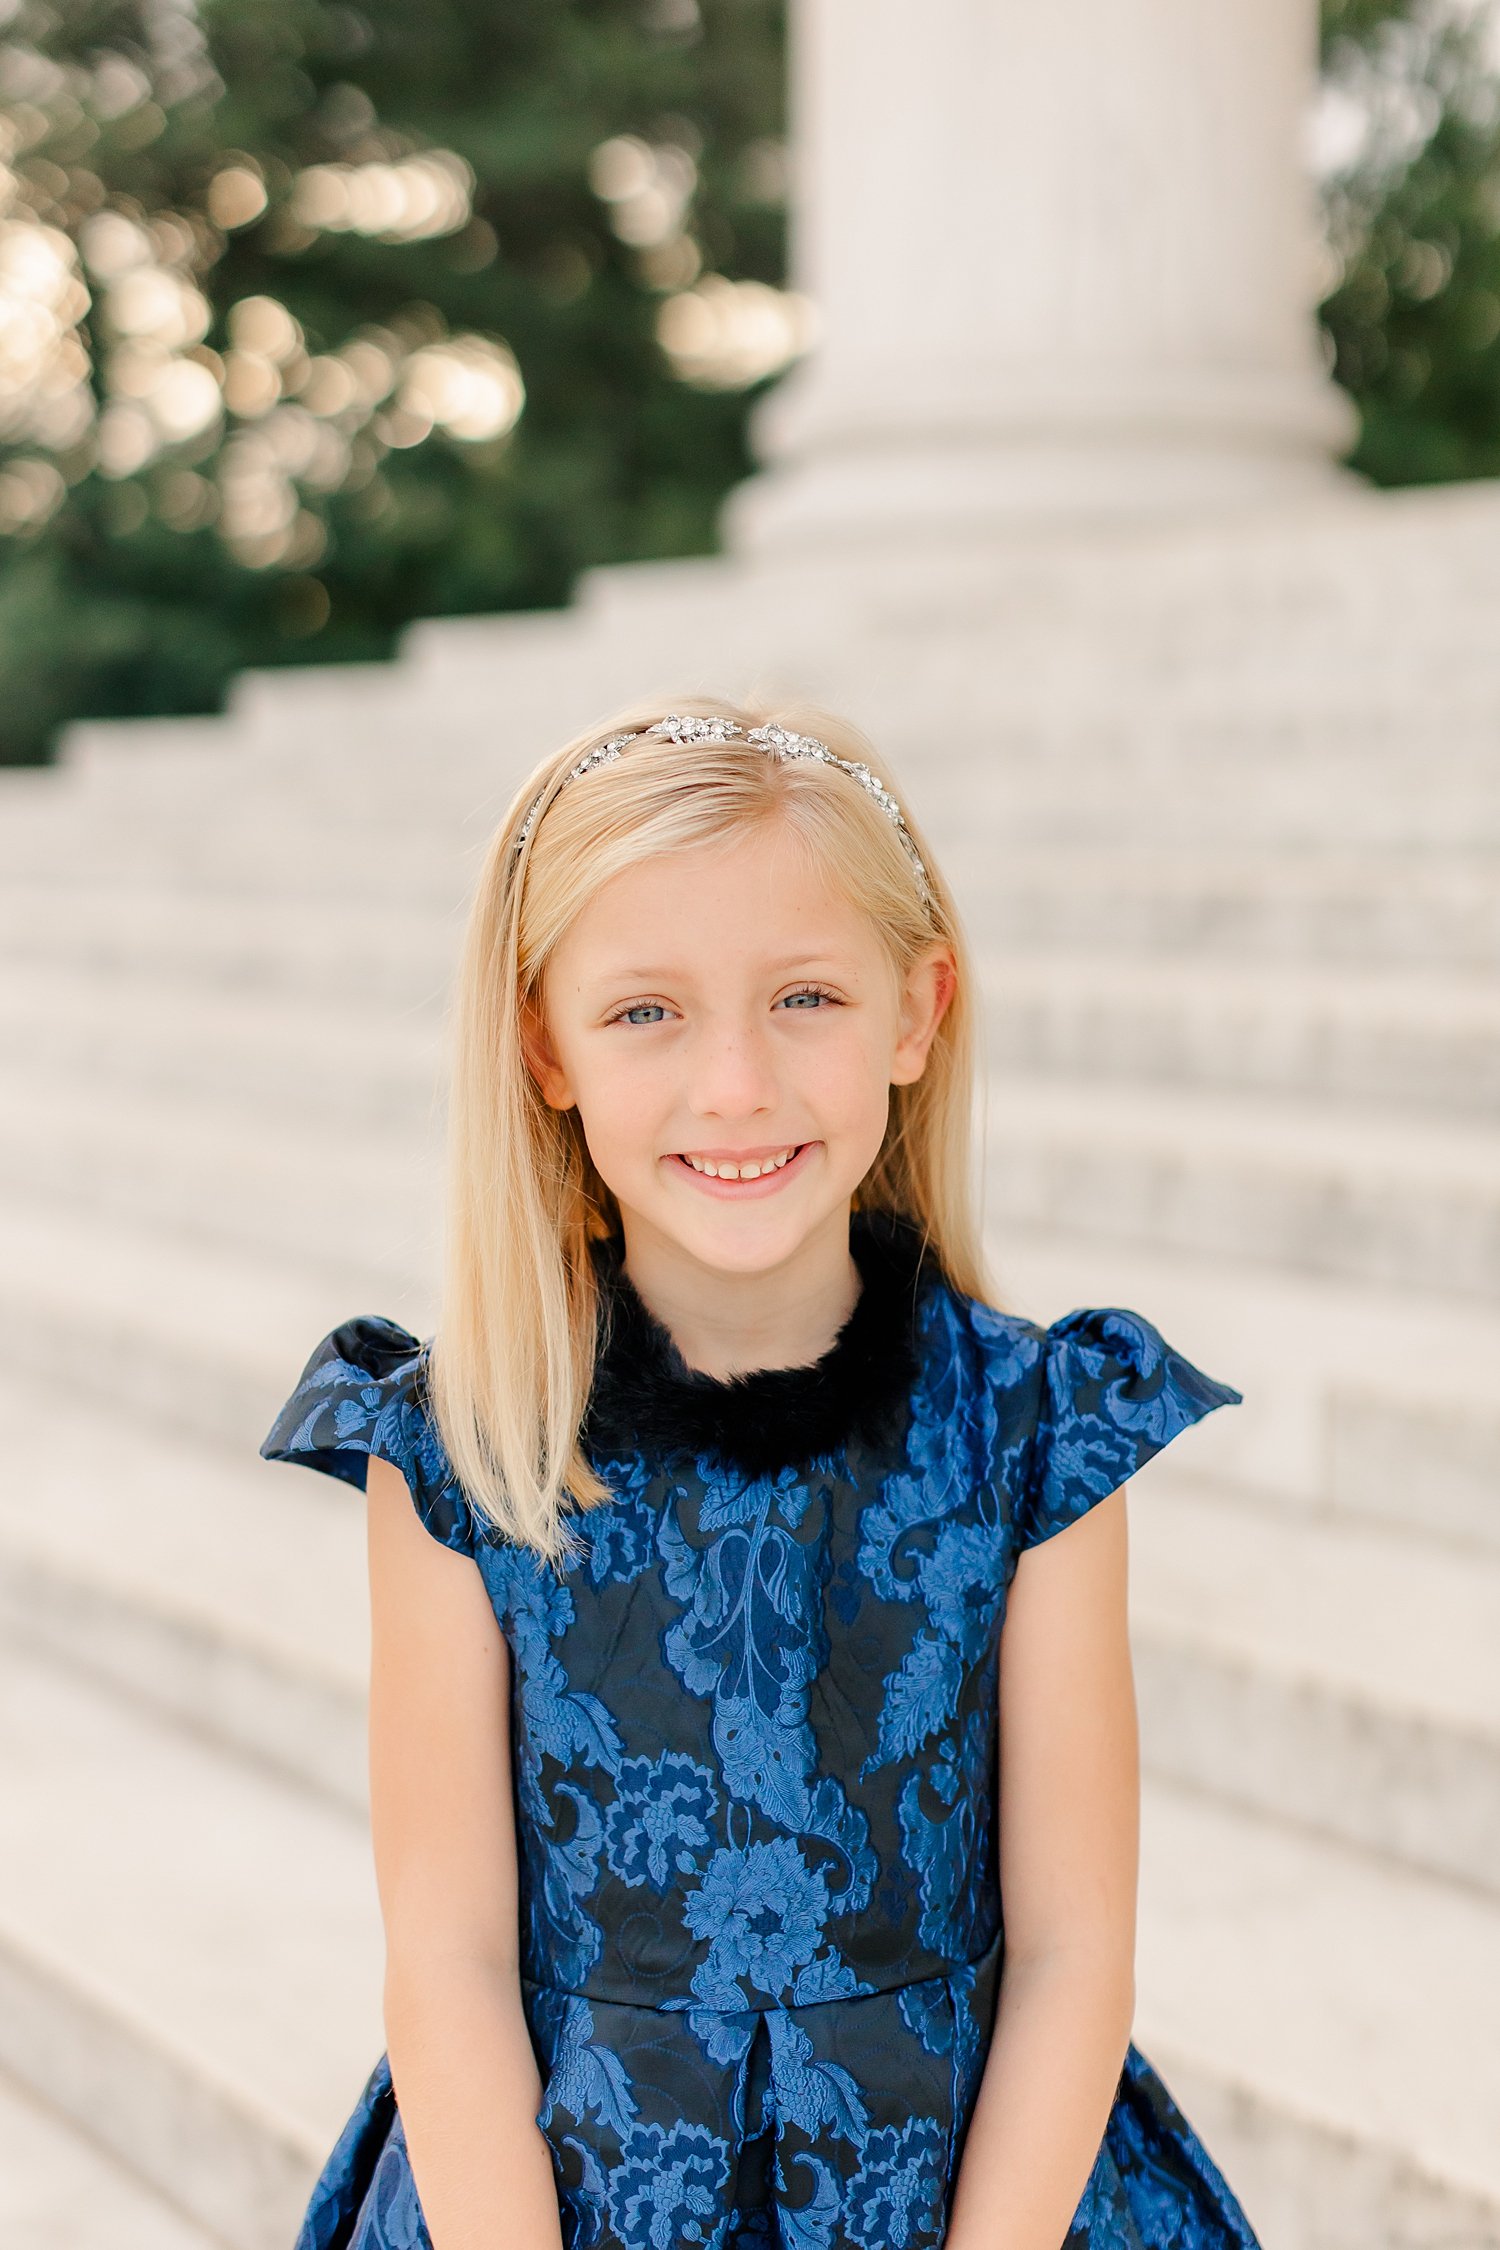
(1113, 1393)
(361, 1393)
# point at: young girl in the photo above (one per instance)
(700, 1762)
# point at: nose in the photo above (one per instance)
(733, 1073)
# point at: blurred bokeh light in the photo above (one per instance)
(400, 302)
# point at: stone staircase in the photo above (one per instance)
(1223, 809)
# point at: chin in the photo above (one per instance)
(750, 1241)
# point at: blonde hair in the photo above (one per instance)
(510, 1370)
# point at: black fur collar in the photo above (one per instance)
(645, 1397)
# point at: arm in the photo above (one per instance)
(1069, 1841)
(443, 1832)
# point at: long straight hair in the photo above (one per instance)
(511, 1366)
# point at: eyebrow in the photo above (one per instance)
(644, 974)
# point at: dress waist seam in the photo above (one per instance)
(681, 2006)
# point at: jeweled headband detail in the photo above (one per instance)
(777, 742)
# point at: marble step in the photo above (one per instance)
(1419, 1040)
(1370, 601)
(1089, 701)
(174, 790)
(1302, 756)
(1267, 1668)
(1338, 1676)
(250, 855)
(223, 2071)
(1377, 1400)
(1278, 789)
(1324, 2020)
(1406, 905)
(1203, 733)
(1293, 807)
(1181, 610)
(190, 1955)
(1347, 581)
(195, 1579)
(324, 948)
(1402, 1202)
(1371, 1403)
(1299, 733)
(1034, 727)
(331, 726)
(1410, 910)
(193, 1337)
(257, 892)
(60, 2191)
(1194, 618)
(334, 1202)
(556, 665)
(1261, 1628)
(1361, 1404)
(286, 1058)
(1423, 1442)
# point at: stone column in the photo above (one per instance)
(1063, 254)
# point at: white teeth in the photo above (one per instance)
(749, 1171)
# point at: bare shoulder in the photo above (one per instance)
(1069, 1748)
(1067, 1599)
(440, 1774)
(1094, 1540)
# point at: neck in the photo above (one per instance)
(645, 1400)
(727, 1324)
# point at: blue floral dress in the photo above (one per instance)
(754, 1734)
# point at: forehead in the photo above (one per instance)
(758, 895)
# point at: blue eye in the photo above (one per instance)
(808, 999)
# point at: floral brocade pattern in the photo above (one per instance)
(754, 1733)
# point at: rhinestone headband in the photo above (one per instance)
(777, 742)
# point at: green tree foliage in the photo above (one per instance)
(1413, 319)
(317, 318)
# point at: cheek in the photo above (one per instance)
(619, 1102)
(849, 1082)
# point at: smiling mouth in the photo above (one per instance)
(741, 1168)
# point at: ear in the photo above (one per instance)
(542, 1060)
(926, 991)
